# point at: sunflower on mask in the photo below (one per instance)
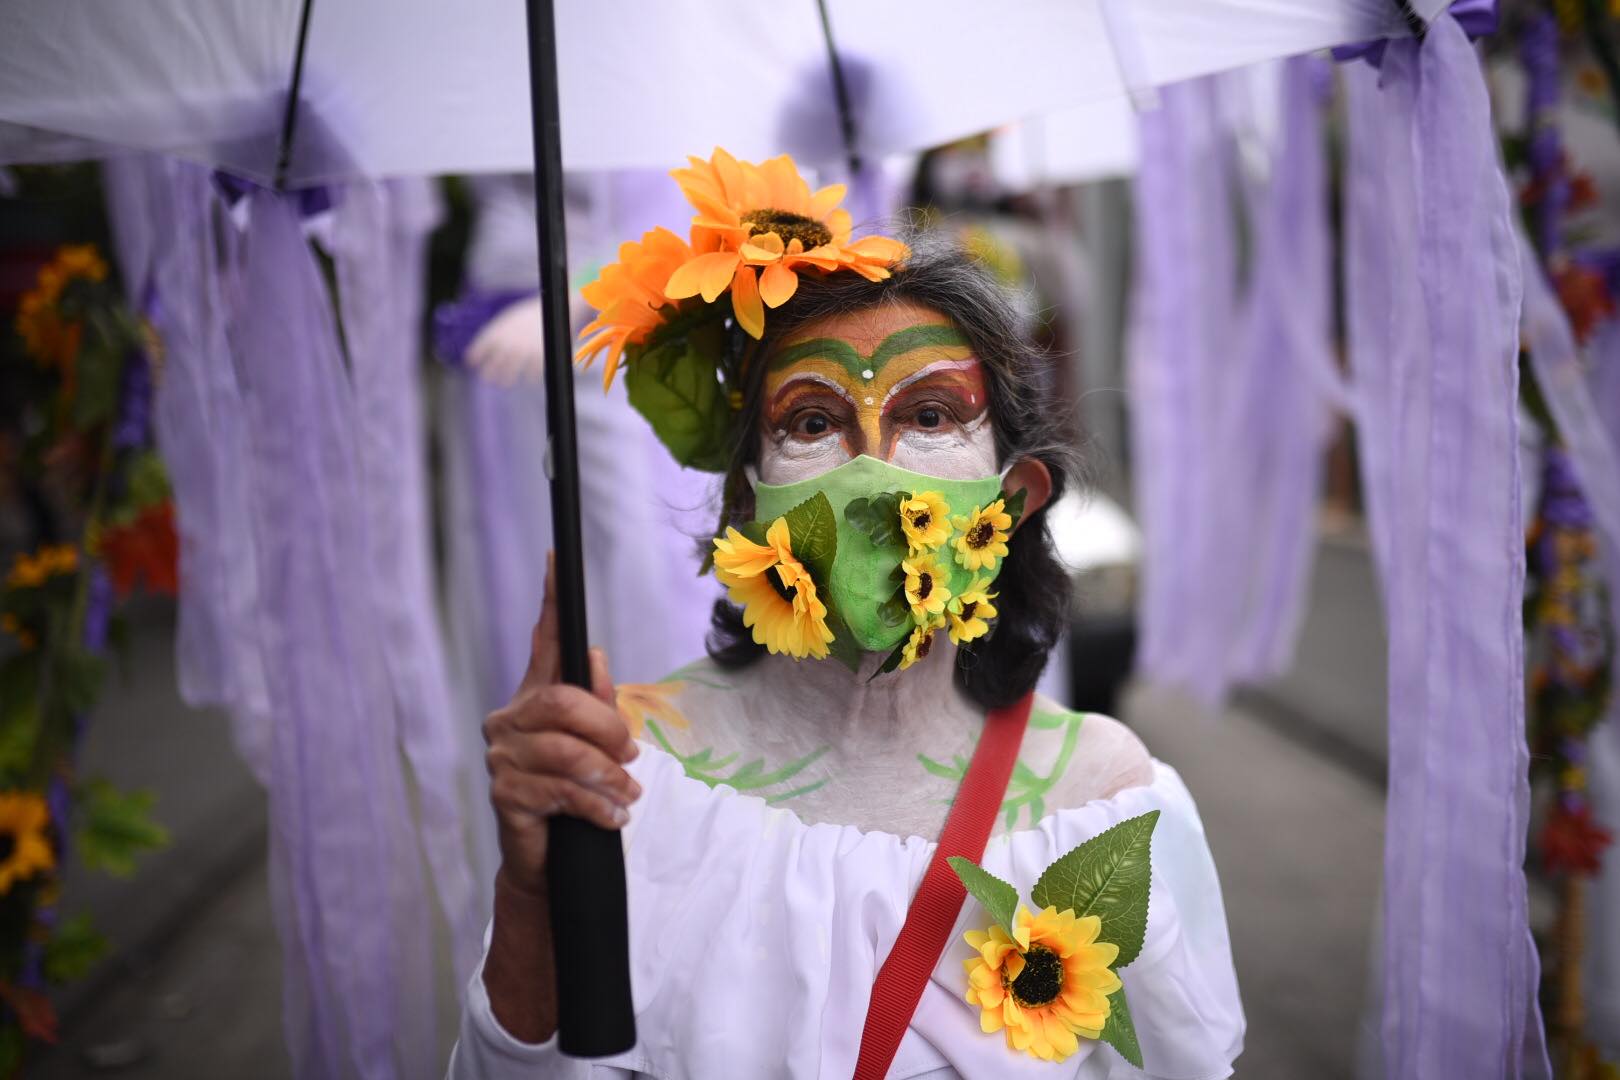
(777, 594)
(925, 519)
(968, 613)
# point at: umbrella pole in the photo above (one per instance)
(585, 864)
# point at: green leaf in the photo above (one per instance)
(999, 898)
(895, 611)
(677, 389)
(1119, 1032)
(877, 518)
(19, 735)
(1014, 505)
(116, 827)
(843, 647)
(891, 662)
(147, 481)
(98, 370)
(73, 949)
(1108, 876)
(814, 530)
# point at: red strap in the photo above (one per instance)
(927, 930)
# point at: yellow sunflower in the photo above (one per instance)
(926, 588)
(984, 536)
(629, 298)
(1047, 985)
(640, 702)
(920, 641)
(757, 226)
(969, 612)
(925, 517)
(24, 848)
(51, 338)
(777, 594)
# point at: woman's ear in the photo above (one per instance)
(1035, 478)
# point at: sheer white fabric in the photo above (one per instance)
(755, 939)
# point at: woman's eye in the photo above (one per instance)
(812, 424)
(929, 418)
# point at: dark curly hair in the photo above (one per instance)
(1028, 421)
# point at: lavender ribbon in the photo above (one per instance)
(1229, 395)
(1433, 295)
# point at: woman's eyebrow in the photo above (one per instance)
(819, 380)
(898, 344)
(960, 376)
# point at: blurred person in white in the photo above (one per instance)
(890, 446)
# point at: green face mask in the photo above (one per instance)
(879, 523)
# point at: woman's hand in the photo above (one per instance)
(555, 749)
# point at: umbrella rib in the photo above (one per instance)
(289, 115)
(846, 116)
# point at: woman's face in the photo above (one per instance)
(896, 382)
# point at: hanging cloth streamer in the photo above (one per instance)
(1433, 294)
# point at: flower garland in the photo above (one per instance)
(83, 363)
(662, 307)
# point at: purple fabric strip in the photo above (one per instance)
(356, 919)
(379, 241)
(457, 323)
(1229, 397)
(1433, 296)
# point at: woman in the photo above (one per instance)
(780, 807)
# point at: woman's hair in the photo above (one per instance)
(1033, 587)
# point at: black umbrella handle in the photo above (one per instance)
(585, 864)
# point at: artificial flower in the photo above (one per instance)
(146, 549)
(925, 518)
(926, 588)
(984, 536)
(969, 612)
(921, 640)
(24, 848)
(1572, 843)
(1046, 985)
(758, 226)
(11, 625)
(31, 571)
(640, 702)
(777, 594)
(52, 339)
(629, 298)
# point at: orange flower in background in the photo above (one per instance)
(758, 226)
(147, 548)
(629, 298)
(640, 702)
(23, 818)
(52, 339)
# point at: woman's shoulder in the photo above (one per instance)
(1089, 755)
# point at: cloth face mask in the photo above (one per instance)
(911, 555)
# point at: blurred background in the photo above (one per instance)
(1229, 605)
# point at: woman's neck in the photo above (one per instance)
(857, 714)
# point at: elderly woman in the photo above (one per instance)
(892, 599)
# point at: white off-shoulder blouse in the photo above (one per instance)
(755, 939)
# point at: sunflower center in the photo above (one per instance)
(980, 534)
(8, 845)
(921, 520)
(789, 226)
(968, 609)
(1038, 984)
(925, 585)
(774, 576)
(924, 645)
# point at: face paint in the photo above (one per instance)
(918, 401)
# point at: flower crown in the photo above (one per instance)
(661, 308)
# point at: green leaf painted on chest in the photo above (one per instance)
(1120, 1032)
(878, 518)
(815, 536)
(1108, 876)
(999, 898)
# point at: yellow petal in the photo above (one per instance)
(715, 272)
(990, 1021)
(745, 303)
(825, 200)
(778, 284)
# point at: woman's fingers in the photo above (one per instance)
(568, 709)
(526, 794)
(544, 662)
(601, 677)
(558, 754)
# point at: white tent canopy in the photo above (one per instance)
(410, 87)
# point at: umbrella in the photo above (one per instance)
(291, 93)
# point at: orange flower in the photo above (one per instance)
(629, 297)
(147, 548)
(49, 337)
(757, 226)
(640, 702)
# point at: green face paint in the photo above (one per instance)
(863, 583)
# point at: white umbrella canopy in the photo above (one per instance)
(411, 87)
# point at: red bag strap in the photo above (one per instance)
(927, 930)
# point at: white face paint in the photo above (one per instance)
(917, 401)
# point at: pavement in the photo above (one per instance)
(1287, 780)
